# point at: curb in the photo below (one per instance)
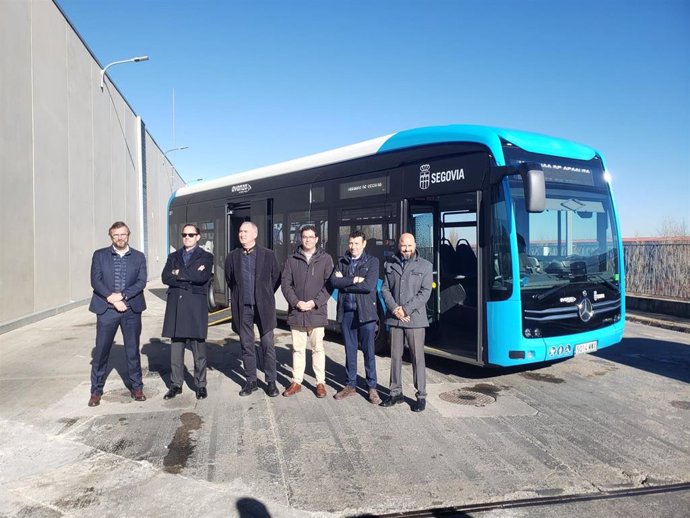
(681, 327)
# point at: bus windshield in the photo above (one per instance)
(573, 241)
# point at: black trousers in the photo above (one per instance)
(267, 359)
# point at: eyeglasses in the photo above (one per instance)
(308, 237)
(191, 234)
(118, 236)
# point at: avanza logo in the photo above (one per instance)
(241, 188)
(426, 177)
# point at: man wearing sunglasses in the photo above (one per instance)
(187, 273)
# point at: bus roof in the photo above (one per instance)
(488, 136)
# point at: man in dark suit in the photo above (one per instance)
(355, 277)
(118, 279)
(253, 276)
(187, 273)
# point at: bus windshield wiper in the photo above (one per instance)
(603, 279)
(541, 296)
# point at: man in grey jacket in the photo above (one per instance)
(305, 286)
(406, 289)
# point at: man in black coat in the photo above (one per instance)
(187, 273)
(305, 286)
(118, 279)
(253, 276)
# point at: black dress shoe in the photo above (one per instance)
(172, 392)
(272, 390)
(249, 388)
(392, 400)
(201, 393)
(420, 406)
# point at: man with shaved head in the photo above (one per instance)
(406, 289)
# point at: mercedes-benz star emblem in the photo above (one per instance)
(585, 310)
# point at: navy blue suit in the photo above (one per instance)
(108, 319)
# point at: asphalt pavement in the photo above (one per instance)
(568, 432)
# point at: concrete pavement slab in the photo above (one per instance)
(593, 423)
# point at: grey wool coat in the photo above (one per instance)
(409, 287)
(186, 310)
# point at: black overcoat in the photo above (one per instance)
(186, 311)
(265, 285)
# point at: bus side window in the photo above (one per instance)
(279, 238)
(501, 286)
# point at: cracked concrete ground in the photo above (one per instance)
(618, 419)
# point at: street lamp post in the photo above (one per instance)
(174, 149)
(172, 167)
(132, 60)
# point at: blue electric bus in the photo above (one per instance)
(521, 230)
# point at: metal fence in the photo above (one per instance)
(658, 269)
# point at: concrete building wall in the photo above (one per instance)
(71, 163)
(161, 181)
(16, 160)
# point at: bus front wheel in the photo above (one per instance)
(212, 304)
(381, 344)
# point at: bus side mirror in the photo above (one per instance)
(535, 188)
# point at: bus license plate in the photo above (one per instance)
(587, 347)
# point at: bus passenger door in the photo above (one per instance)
(236, 215)
(446, 233)
(422, 223)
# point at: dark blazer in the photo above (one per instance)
(103, 280)
(266, 284)
(302, 281)
(365, 292)
(186, 310)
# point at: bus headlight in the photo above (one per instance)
(532, 333)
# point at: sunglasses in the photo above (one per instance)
(189, 235)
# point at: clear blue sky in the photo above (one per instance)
(258, 82)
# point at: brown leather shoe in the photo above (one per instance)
(321, 390)
(138, 395)
(293, 389)
(374, 398)
(95, 399)
(345, 392)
